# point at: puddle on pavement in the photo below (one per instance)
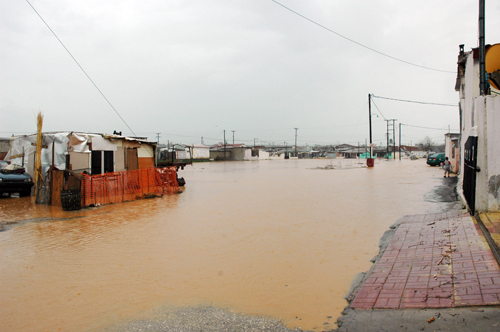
(276, 238)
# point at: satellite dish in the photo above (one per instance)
(492, 65)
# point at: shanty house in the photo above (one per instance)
(83, 153)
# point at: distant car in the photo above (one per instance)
(14, 180)
(435, 159)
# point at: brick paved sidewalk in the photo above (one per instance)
(491, 221)
(433, 261)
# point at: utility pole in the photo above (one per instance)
(168, 151)
(233, 135)
(387, 134)
(483, 83)
(394, 139)
(296, 141)
(224, 144)
(400, 141)
(370, 121)
(393, 148)
(157, 147)
(254, 143)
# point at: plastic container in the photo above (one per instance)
(71, 200)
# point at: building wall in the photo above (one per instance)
(219, 155)
(245, 154)
(79, 161)
(480, 116)
(469, 89)
(120, 158)
(146, 162)
(146, 156)
(145, 151)
(201, 153)
(452, 151)
(487, 118)
(278, 156)
(263, 155)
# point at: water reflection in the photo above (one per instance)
(279, 238)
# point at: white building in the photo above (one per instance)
(480, 120)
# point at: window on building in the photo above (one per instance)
(102, 162)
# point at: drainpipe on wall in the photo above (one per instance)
(482, 50)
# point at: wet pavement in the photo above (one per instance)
(433, 261)
(434, 272)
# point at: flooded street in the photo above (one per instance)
(277, 238)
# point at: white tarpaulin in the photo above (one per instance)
(100, 143)
(23, 148)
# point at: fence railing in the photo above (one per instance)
(126, 186)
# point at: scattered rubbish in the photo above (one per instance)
(441, 260)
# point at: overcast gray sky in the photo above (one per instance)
(191, 69)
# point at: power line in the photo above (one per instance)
(373, 101)
(416, 102)
(71, 55)
(424, 127)
(359, 44)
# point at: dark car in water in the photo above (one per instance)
(14, 180)
(435, 159)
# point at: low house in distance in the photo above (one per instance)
(452, 150)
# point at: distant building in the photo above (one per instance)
(452, 150)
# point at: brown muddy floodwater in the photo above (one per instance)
(276, 238)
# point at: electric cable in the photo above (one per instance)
(378, 109)
(83, 70)
(403, 124)
(359, 44)
(412, 101)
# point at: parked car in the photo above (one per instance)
(435, 159)
(14, 179)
